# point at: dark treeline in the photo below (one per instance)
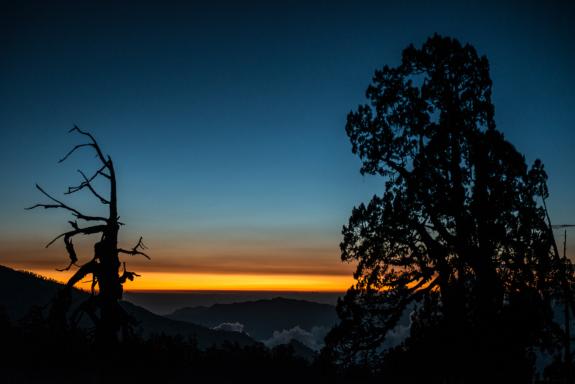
(32, 351)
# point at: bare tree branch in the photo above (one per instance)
(85, 231)
(134, 251)
(99, 172)
(71, 253)
(93, 144)
(59, 204)
(74, 150)
(67, 268)
(90, 267)
(127, 275)
(87, 184)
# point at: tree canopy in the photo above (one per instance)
(459, 237)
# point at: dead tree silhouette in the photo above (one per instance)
(103, 306)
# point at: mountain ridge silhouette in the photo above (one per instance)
(261, 318)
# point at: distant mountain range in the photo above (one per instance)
(166, 302)
(20, 291)
(262, 318)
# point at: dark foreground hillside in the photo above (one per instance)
(22, 291)
(161, 349)
(33, 353)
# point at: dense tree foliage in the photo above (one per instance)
(459, 239)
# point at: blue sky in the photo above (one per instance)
(226, 121)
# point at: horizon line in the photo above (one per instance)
(213, 282)
(227, 291)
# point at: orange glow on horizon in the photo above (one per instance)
(173, 281)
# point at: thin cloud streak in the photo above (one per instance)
(201, 260)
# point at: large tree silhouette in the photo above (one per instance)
(459, 237)
(104, 267)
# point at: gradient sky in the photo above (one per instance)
(226, 123)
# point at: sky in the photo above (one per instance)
(226, 123)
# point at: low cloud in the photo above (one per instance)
(230, 327)
(313, 338)
(397, 335)
(400, 332)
